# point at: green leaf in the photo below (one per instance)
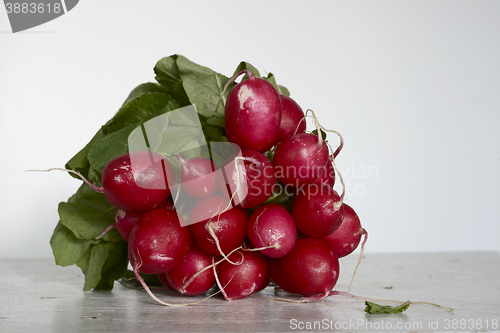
(323, 133)
(80, 162)
(140, 109)
(280, 89)
(283, 91)
(279, 196)
(376, 308)
(176, 138)
(220, 152)
(204, 87)
(214, 133)
(83, 217)
(115, 266)
(87, 213)
(109, 147)
(272, 80)
(245, 65)
(217, 121)
(150, 87)
(130, 117)
(93, 262)
(270, 77)
(167, 74)
(66, 247)
(288, 204)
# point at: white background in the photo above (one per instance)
(413, 86)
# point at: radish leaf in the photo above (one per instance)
(376, 308)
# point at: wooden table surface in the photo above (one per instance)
(38, 296)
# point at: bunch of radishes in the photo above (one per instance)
(269, 213)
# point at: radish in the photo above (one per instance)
(137, 181)
(312, 266)
(125, 221)
(253, 114)
(275, 271)
(157, 242)
(216, 226)
(168, 204)
(265, 283)
(272, 225)
(348, 236)
(198, 176)
(164, 280)
(180, 277)
(240, 281)
(317, 210)
(328, 176)
(300, 159)
(249, 179)
(292, 119)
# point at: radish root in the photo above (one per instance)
(153, 296)
(111, 226)
(209, 225)
(348, 294)
(221, 288)
(188, 282)
(96, 188)
(319, 126)
(365, 234)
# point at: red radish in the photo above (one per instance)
(292, 119)
(125, 221)
(348, 236)
(249, 179)
(168, 204)
(312, 266)
(137, 181)
(164, 281)
(264, 283)
(253, 114)
(134, 182)
(300, 159)
(193, 262)
(198, 176)
(240, 281)
(275, 271)
(272, 225)
(317, 210)
(327, 176)
(157, 242)
(228, 224)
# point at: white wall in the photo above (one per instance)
(414, 87)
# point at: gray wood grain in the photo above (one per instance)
(38, 296)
